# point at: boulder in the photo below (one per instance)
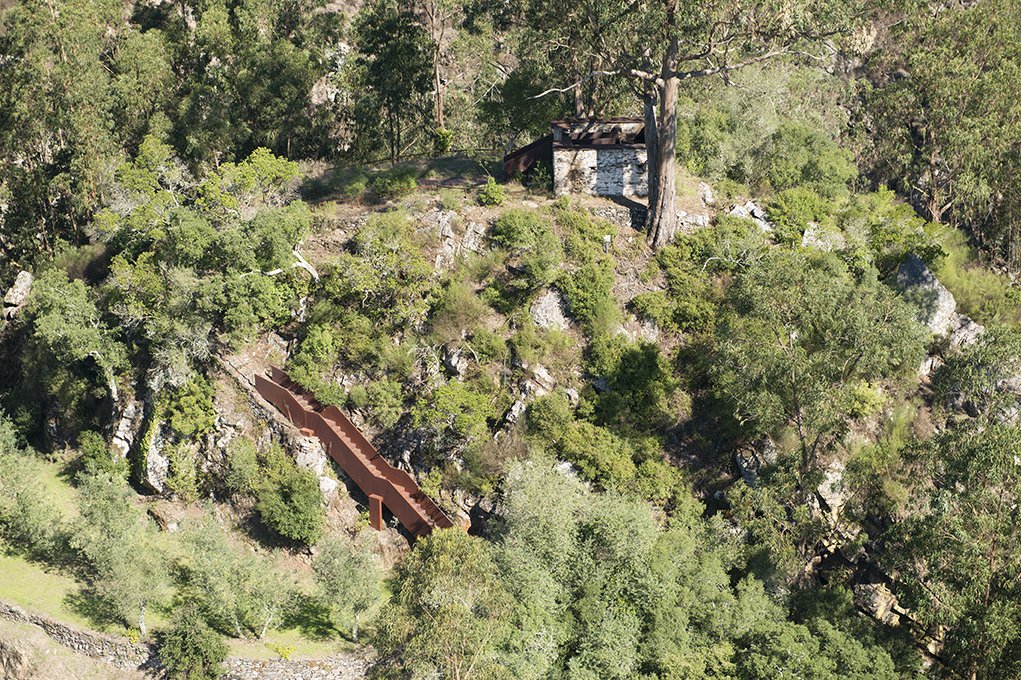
(157, 465)
(967, 332)
(689, 223)
(548, 311)
(822, 238)
(18, 294)
(129, 422)
(752, 211)
(934, 304)
(705, 192)
(455, 361)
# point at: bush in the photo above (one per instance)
(797, 155)
(289, 501)
(190, 649)
(492, 194)
(392, 184)
(192, 412)
(792, 209)
(536, 247)
(550, 416)
(242, 466)
(655, 306)
(386, 402)
(589, 295)
(97, 456)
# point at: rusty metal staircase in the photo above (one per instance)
(384, 484)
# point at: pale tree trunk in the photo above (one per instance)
(354, 629)
(141, 622)
(662, 222)
(662, 190)
(649, 101)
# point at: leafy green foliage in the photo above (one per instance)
(536, 249)
(190, 650)
(797, 155)
(289, 501)
(492, 193)
(349, 579)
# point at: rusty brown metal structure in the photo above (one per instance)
(384, 484)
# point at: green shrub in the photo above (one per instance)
(386, 402)
(192, 412)
(600, 456)
(798, 155)
(792, 209)
(537, 249)
(357, 396)
(97, 456)
(182, 477)
(493, 193)
(289, 501)
(451, 199)
(655, 306)
(443, 139)
(393, 184)
(242, 466)
(190, 649)
(550, 416)
(589, 295)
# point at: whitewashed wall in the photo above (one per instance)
(612, 171)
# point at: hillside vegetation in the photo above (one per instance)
(765, 426)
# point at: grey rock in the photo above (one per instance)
(750, 461)
(831, 489)
(689, 223)
(573, 397)
(752, 211)
(822, 238)
(967, 332)
(18, 294)
(934, 304)
(705, 192)
(157, 465)
(455, 361)
(548, 311)
(474, 237)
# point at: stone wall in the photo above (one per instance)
(115, 651)
(122, 654)
(351, 667)
(608, 171)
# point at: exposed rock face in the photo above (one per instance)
(751, 461)
(935, 305)
(877, 600)
(129, 421)
(752, 211)
(455, 361)
(822, 238)
(548, 311)
(474, 237)
(18, 294)
(831, 490)
(966, 333)
(157, 465)
(15, 660)
(310, 454)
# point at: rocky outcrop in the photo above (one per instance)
(17, 295)
(752, 211)
(934, 304)
(548, 311)
(705, 192)
(750, 461)
(831, 490)
(822, 238)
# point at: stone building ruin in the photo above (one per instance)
(602, 157)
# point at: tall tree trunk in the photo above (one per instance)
(354, 629)
(649, 101)
(579, 103)
(662, 191)
(439, 89)
(141, 622)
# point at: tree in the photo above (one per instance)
(800, 338)
(957, 553)
(238, 591)
(395, 61)
(119, 544)
(944, 118)
(657, 46)
(349, 577)
(190, 649)
(28, 519)
(289, 500)
(448, 610)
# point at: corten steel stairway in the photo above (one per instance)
(381, 482)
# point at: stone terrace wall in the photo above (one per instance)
(116, 651)
(123, 654)
(608, 171)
